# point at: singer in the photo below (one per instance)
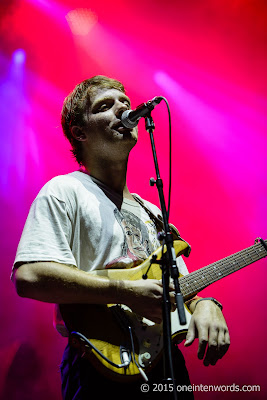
(87, 221)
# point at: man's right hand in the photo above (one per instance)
(146, 296)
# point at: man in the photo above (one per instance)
(88, 220)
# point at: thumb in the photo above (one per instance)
(190, 337)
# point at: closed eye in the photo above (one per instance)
(126, 102)
(103, 107)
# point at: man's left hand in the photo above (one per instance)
(208, 324)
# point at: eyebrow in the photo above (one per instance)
(103, 99)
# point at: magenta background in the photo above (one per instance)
(209, 59)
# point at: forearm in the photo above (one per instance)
(58, 283)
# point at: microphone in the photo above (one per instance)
(130, 118)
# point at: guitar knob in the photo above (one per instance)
(145, 357)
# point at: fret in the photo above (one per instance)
(193, 283)
(244, 258)
(250, 255)
(185, 283)
(200, 279)
(186, 287)
(259, 251)
(232, 264)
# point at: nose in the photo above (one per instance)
(120, 108)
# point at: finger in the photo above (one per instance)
(172, 297)
(172, 301)
(171, 285)
(203, 341)
(223, 342)
(212, 354)
(216, 352)
(227, 338)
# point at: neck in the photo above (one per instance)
(113, 174)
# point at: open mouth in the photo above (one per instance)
(120, 128)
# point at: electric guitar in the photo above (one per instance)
(123, 345)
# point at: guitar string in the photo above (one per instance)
(225, 268)
(227, 265)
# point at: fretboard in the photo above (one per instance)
(198, 280)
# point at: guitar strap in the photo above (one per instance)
(158, 221)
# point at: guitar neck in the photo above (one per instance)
(198, 280)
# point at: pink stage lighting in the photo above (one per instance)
(19, 56)
(81, 21)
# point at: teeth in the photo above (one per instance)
(119, 127)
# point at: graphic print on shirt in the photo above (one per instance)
(140, 239)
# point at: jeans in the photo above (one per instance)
(80, 381)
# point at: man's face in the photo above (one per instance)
(104, 128)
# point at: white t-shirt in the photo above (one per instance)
(76, 220)
(72, 221)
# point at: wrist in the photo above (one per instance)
(124, 292)
(216, 302)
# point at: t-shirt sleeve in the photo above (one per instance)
(47, 233)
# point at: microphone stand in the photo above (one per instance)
(169, 268)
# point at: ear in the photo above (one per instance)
(78, 133)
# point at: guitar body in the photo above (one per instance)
(106, 334)
(106, 326)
